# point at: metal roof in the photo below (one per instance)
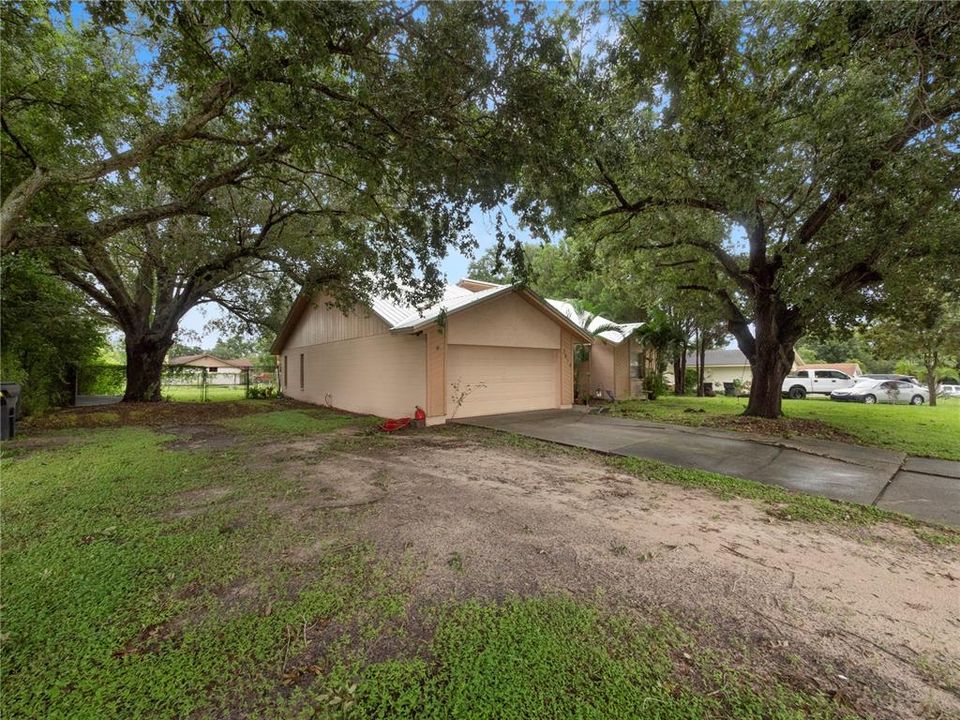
(729, 357)
(406, 319)
(450, 303)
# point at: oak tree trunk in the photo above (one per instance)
(770, 352)
(145, 356)
(769, 367)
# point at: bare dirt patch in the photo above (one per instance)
(201, 437)
(780, 427)
(155, 414)
(869, 616)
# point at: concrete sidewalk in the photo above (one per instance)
(923, 488)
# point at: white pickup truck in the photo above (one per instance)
(817, 382)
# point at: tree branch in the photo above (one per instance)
(917, 122)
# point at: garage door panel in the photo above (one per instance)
(500, 379)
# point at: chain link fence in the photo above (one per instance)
(104, 384)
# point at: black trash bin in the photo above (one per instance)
(729, 389)
(9, 399)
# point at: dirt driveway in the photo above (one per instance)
(867, 615)
(925, 489)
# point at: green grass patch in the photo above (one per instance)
(555, 658)
(142, 581)
(918, 430)
(298, 422)
(195, 393)
(117, 606)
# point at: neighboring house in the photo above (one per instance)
(211, 363)
(617, 362)
(219, 370)
(851, 369)
(730, 365)
(499, 349)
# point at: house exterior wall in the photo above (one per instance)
(352, 362)
(436, 375)
(566, 368)
(621, 370)
(601, 367)
(718, 374)
(521, 355)
(506, 321)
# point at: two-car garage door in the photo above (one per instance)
(500, 379)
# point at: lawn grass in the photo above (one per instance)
(118, 603)
(554, 658)
(194, 393)
(298, 422)
(917, 430)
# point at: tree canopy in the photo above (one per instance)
(827, 131)
(216, 145)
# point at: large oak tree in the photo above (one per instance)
(826, 131)
(163, 154)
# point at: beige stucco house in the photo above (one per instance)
(499, 349)
(616, 364)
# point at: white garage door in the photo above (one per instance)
(500, 379)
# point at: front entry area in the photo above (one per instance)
(492, 379)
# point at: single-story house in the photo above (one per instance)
(212, 363)
(220, 371)
(617, 362)
(728, 365)
(851, 369)
(495, 350)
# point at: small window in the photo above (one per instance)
(286, 377)
(803, 373)
(822, 373)
(840, 375)
(889, 385)
(301, 371)
(212, 369)
(637, 361)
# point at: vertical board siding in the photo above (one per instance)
(321, 324)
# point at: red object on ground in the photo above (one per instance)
(393, 425)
